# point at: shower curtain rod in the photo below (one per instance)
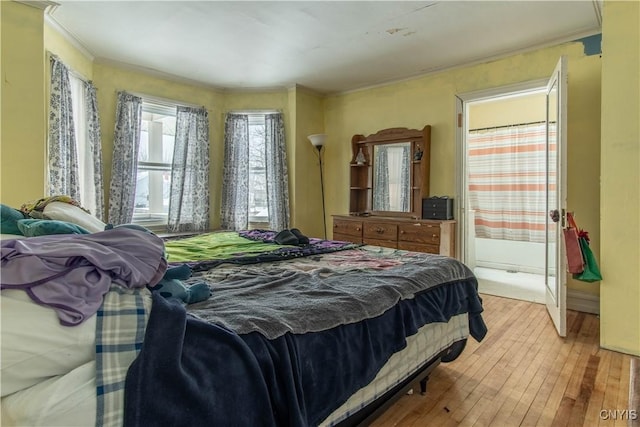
(508, 126)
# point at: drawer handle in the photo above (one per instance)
(358, 228)
(379, 230)
(401, 231)
(434, 237)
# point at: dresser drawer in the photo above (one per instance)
(419, 247)
(380, 231)
(420, 233)
(384, 243)
(347, 238)
(346, 227)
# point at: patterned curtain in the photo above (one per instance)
(95, 148)
(392, 178)
(405, 179)
(124, 168)
(235, 175)
(189, 199)
(277, 174)
(381, 200)
(63, 156)
(507, 181)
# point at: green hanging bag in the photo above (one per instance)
(591, 271)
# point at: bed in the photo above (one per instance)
(322, 334)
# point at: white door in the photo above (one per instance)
(555, 263)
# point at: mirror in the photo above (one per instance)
(392, 177)
(389, 172)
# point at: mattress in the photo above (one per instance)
(429, 341)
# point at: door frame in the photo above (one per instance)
(557, 310)
(461, 121)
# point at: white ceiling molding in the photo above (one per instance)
(38, 4)
(597, 9)
(67, 36)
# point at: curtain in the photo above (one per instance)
(95, 187)
(235, 174)
(507, 182)
(124, 168)
(189, 199)
(392, 178)
(405, 179)
(277, 174)
(381, 201)
(63, 157)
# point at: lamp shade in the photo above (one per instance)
(317, 140)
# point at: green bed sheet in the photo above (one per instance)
(218, 245)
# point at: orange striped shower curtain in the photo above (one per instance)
(507, 181)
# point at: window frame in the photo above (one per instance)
(258, 119)
(154, 220)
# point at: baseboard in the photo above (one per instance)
(583, 301)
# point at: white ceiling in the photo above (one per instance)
(327, 46)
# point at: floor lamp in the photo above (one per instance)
(317, 140)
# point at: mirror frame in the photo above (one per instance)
(362, 177)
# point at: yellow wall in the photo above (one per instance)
(620, 190)
(307, 194)
(508, 111)
(23, 138)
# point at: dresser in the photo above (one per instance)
(418, 235)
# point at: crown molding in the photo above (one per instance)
(38, 4)
(50, 21)
(155, 73)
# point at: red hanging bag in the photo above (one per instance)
(575, 261)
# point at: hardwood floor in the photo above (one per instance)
(523, 374)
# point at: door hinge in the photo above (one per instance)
(459, 120)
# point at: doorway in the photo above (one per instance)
(511, 180)
(504, 191)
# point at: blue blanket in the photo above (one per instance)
(193, 373)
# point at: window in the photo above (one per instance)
(74, 164)
(155, 155)
(85, 158)
(258, 203)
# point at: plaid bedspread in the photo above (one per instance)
(120, 327)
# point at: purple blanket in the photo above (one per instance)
(72, 272)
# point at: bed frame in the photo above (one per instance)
(366, 415)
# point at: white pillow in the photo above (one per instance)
(67, 212)
(34, 345)
(67, 400)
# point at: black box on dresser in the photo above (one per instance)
(437, 208)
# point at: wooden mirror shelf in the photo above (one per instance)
(362, 180)
(403, 226)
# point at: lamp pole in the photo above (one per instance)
(324, 217)
(318, 140)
